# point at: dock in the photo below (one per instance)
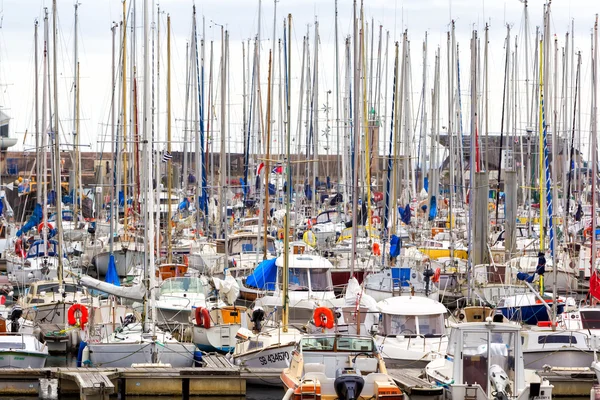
(218, 377)
(409, 380)
(572, 382)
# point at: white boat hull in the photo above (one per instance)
(123, 355)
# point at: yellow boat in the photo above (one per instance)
(435, 249)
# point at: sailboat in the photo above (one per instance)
(138, 341)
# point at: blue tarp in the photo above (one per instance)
(111, 273)
(405, 214)
(432, 209)
(272, 190)
(395, 246)
(184, 205)
(426, 184)
(264, 275)
(34, 220)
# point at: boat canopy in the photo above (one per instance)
(264, 275)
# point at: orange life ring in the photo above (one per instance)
(323, 317)
(19, 248)
(587, 232)
(202, 316)
(375, 220)
(436, 275)
(42, 225)
(72, 319)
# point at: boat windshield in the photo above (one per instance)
(590, 319)
(329, 343)
(355, 344)
(484, 349)
(182, 285)
(319, 279)
(298, 279)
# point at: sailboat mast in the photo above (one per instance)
(337, 106)
(113, 140)
(149, 203)
(39, 151)
(356, 133)
(43, 180)
(594, 142)
(169, 161)
(267, 160)
(75, 114)
(124, 120)
(222, 166)
(57, 167)
(288, 172)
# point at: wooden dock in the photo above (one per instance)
(409, 381)
(218, 377)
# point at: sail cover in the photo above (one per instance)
(264, 275)
(136, 292)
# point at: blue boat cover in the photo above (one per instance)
(34, 220)
(111, 273)
(395, 246)
(405, 214)
(432, 208)
(264, 275)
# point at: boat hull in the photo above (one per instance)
(220, 338)
(123, 355)
(20, 359)
(124, 260)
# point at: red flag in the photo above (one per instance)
(260, 168)
(595, 285)
(277, 170)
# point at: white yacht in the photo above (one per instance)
(412, 331)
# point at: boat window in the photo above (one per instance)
(12, 345)
(251, 222)
(323, 218)
(298, 279)
(319, 279)
(53, 287)
(474, 359)
(355, 344)
(242, 245)
(590, 319)
(557, 339)
(431, 325)
(320, 344)
(396, 325)
(254, 344)
(182, 285)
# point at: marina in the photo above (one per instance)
(342, 208)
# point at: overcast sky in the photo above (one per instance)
(240, 17)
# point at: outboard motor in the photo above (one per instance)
(13, 317)
(348, 383)
(500, 382)
(258, 315)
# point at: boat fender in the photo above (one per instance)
(323, 317)
(72, 319)
(202, 317)
(436, 275)
(19, 250)
(80, 350)
(376, 249)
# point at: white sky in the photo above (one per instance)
(241, 18)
